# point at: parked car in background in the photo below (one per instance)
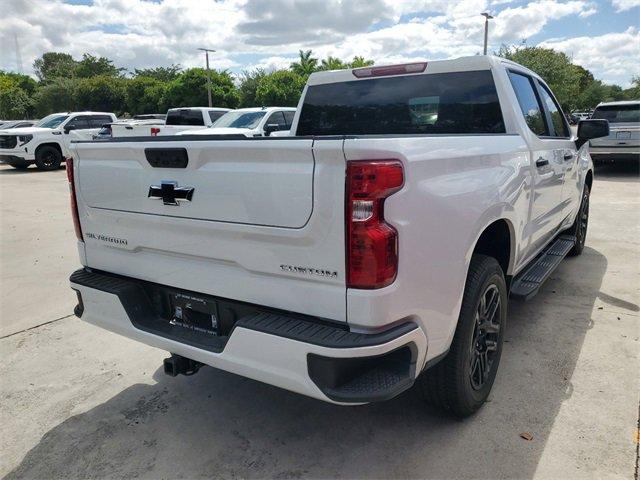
(581, 115)
(251, 122)
(10, 124)
(46, 143)
(375, 248)
(176, 120)
(623, 141)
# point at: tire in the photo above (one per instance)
(48, 158)
(458, 384)
(579, 227)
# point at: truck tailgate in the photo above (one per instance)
(264, 221)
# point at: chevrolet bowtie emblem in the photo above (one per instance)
(170, 192)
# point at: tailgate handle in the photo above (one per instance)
(169, 192)
(167, 157)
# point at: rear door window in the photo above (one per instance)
(185, 117)
(439, 103)
(97, 121)
(529, 103)
(79, 123)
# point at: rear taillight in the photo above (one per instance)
(74, 203)
(155, 131)
(372, 244)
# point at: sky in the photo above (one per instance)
(601, 35)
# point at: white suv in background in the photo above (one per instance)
(46, 143)
(623, 142)
(251, 122)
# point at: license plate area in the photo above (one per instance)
(195, 313)
(623, 135)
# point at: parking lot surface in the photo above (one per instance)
(77, 401)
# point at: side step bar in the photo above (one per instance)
(527, 283)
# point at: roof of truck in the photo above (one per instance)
(621, 102)
(462, 64)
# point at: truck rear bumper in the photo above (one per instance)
(302, 354)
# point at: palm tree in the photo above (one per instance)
(307, 64)
(332, 63)
(359, 62)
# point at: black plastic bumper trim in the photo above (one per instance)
(311, 330)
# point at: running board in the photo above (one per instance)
(527, 283)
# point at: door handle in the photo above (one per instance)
(568, 156)
(541, 162)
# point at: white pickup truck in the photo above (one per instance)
(177, 120)
(46, 143)
(251, 122)
(375, 247)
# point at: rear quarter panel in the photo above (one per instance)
(455, 186)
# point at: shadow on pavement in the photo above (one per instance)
(216, 424)
(617, 172)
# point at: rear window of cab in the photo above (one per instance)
(440, 103)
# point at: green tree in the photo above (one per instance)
(15, 102)
(306, 65)
(25, 82)
(360, 62)
(249, 81)
(332, 63)
(281, 88)
(190, 90)
(143, 95)
(56, 96)
(101, 93)
(633, 92)
(164, 74)
(91, 66)
(54, 65)
(554, 67)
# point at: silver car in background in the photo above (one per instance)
(623, 142)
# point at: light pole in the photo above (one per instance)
(206, 53)
(487, 17)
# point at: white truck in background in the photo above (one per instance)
(375, 247)
(251, 122)
(177, 120)
(46, 143)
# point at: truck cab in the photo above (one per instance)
(46, 144)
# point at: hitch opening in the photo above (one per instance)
(177, 364)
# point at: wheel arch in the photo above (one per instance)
(497, 240)
(55, 145)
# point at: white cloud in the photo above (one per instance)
(268, 34)
(622, 5)
(612, 57)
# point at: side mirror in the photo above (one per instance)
(270, 128)
(68, 128)
(590, 129)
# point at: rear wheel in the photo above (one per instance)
(48, 158)
(461, 382)
(579, 228)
